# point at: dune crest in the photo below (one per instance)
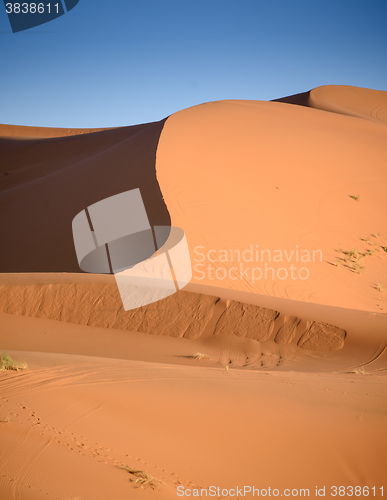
(24, 132)
(344, 99)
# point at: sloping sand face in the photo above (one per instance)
(230, 332)
(99, 304)
(45, 183)
(273, 197)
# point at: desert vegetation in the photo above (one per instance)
(142, 479)
(7, 363)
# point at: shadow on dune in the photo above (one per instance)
(299, 99)
(45, 182)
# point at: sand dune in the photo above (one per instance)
(22, 132)
(239, 379)
(233, 331)
(54, 179)
(343, 99)
(75, 420)
(276, 181)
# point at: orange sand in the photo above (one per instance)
(291, 392)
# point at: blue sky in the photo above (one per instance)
(120, 62)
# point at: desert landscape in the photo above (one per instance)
(266, 375)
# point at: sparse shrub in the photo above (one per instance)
(380, 287)
(357, 268)
(354, 253)
(199, 355)
(7, 363)
(5, 420)
(360, 371)
(354, 197)
(142, 479)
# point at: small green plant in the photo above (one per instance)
(142, 479)
(199, 355)
(380, 287)
(354, 197)
(7, 363)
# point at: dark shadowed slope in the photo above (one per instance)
(45, 182)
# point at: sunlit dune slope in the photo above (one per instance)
(353, 101)
(289, 200)
(262, 186)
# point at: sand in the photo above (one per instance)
(285, 190)
(288, 390)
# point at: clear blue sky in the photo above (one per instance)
(122, 62)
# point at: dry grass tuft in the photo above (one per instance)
(380, 287)
(357, 268)
(353, 254)
(355, 197)
(360, 371)
(5, 420)
(143, 479)
(199, 355)
(7, 363)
